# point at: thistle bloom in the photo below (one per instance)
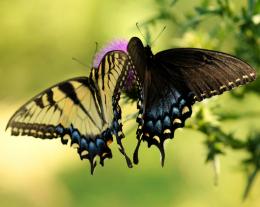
(120, 44)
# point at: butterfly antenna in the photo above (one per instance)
(137, 25)
(96, 49)
(158, 35)
(80, 62)
(94, 54)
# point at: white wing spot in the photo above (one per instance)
(213, 92)
(176, 121)
(167, 131)
(75, 145)
(84, 152)
(222, 87)
(157, 139)
(203, 95)
(185, 110)
(231, 83)
(66, 137)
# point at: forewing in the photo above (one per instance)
(204, 72)
(72, 102)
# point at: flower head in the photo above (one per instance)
(120, 44)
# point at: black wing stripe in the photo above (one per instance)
(103, 72)
(51, 101)
(68, 89)
(95, 95)
(110, 63)
(50, 98)
(39, 102)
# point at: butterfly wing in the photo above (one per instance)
(83, 110)
(205, 72)
(163, 109)
(109, 79)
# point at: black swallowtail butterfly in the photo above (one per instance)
(85, 110)
(171, 81)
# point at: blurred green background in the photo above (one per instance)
(38, 40)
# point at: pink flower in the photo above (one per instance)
(120, 44)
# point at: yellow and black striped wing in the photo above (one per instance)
(83, 110)
(109, 78)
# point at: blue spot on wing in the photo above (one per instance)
(92, 146)
(59, 129)
(83, 144)
(167, 121)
